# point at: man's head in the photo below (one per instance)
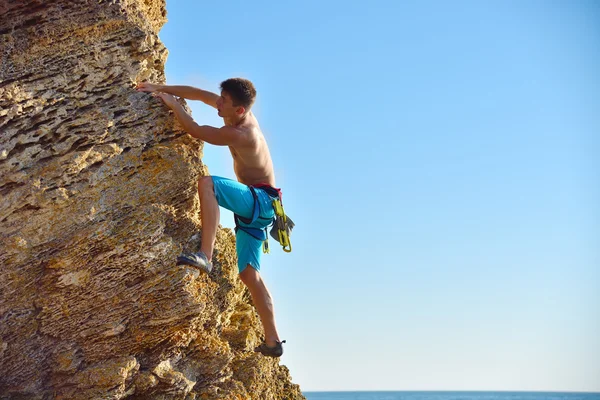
(237, 97)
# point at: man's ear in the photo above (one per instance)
(240, 110)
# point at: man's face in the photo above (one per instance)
(225, 106)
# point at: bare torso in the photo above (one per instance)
(252, 163)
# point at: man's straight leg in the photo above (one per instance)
(263, 302)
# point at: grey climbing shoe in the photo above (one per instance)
(276, 351)
(198, 260)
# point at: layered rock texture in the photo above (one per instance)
(97, 199)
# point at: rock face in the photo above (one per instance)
(97, 199)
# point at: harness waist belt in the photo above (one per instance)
(257, 233)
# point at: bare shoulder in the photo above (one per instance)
(251, 122)
(251, 128)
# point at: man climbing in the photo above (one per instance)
(250, 198)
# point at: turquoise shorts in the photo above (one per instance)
(238, 198)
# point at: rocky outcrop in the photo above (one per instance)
(97, 198)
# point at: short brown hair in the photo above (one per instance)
(241, 90)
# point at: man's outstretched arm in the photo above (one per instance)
(187, 92)
(225, 136)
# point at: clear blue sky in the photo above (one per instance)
(441, 161)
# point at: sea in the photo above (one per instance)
(450, 396)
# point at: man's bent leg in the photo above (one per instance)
(263, 302)
(209, 215)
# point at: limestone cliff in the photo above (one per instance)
(97, 198)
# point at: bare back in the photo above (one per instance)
(252, 163)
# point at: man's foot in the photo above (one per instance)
(275, 351)
(198, 260)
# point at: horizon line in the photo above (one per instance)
(454, 391)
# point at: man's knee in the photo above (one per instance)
(250, 276)
(205, 184)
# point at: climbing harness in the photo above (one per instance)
(282, 225)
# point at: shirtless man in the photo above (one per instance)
(254, 170)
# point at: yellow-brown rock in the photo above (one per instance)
(97, 199)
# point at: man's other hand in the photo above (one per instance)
(168, 99)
